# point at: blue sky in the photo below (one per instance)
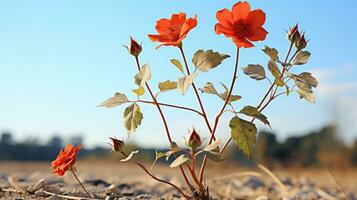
(58, 60)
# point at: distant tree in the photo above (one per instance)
(76, 140)
(354, 154)
(55, 142)
(6, 138)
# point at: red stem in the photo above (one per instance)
(80, 183)
(164, 121)
(220, 113)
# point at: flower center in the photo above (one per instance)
(242, 28)
(174, 32)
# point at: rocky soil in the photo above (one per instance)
(18, 181)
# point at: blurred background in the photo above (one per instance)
(59, 60)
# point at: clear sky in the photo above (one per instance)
(59, 59)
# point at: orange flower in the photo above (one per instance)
(65, 159)
(241, 24)
(173, 31)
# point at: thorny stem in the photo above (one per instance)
(220, 113)
(170, 105)
(163, 120)
(158, 179)
(80, 183)
(267, 93)
(197, 95)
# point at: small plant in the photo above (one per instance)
(243, 26)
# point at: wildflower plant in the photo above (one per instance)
(244, 26)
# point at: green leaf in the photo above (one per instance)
(143, 75)
(140, 91)
(206, 60)
(213, 155)
(182, 159)
(132, 118)
(184, 83)
(209, 89)
(273, 68)
(177, 63)
(244, 135)
(253, 112)
(158, 155)
(301, 58)
(116, 100)
(224, 95)
(256, 72)
(271, 52)
(167, 85)
(173, 149)
(130, 156)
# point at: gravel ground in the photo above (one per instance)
(120, 181)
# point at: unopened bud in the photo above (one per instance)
(116, 144)
(301, 43)
(294, 34)
(193, 140)
(134, 47)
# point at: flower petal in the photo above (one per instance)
(221, 29)
(240, 10)
(157, 38)
(163, 26)
(258, 34)
(187, 26)
(225, 17)
(256, 18)
(242, 42)
(178, 19)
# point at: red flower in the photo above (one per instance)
(173, 31)
(193, 140)
(65, 159)
(134, 47)
(241, 24)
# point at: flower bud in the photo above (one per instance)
(116, 144)
(294, 33)
(301, 43)
(193, 140)
(134, 48)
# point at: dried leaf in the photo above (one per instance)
(209, 89)
(177, 63)
(140, 91)
(256, 72)
(167, 85)
(182, 159)
(173, 149)
(213, 155)
(158, 155)
(301, 58)
(143, 75)
(244, 135)
(132, 117)
(184, 83)
(308, 95)
(271, 52)
(214, 145)
(130, 156)
(224, 95)
(253, 112)
(206, 60)
(307, 76)
(117, 99)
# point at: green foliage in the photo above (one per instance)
(167, 85)
(178, 64)
(272, 53)
(132, 117)
(116, 100)
(253, 112)
(206, 60)
(244, 135)
(256, 72)
(301, 58)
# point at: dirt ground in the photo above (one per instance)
(115, 180)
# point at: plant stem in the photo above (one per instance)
(80, 183)
(220, 113)
(170, 105)
(197, 95)
(163, 120)
(158, 179)
(267, 93)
